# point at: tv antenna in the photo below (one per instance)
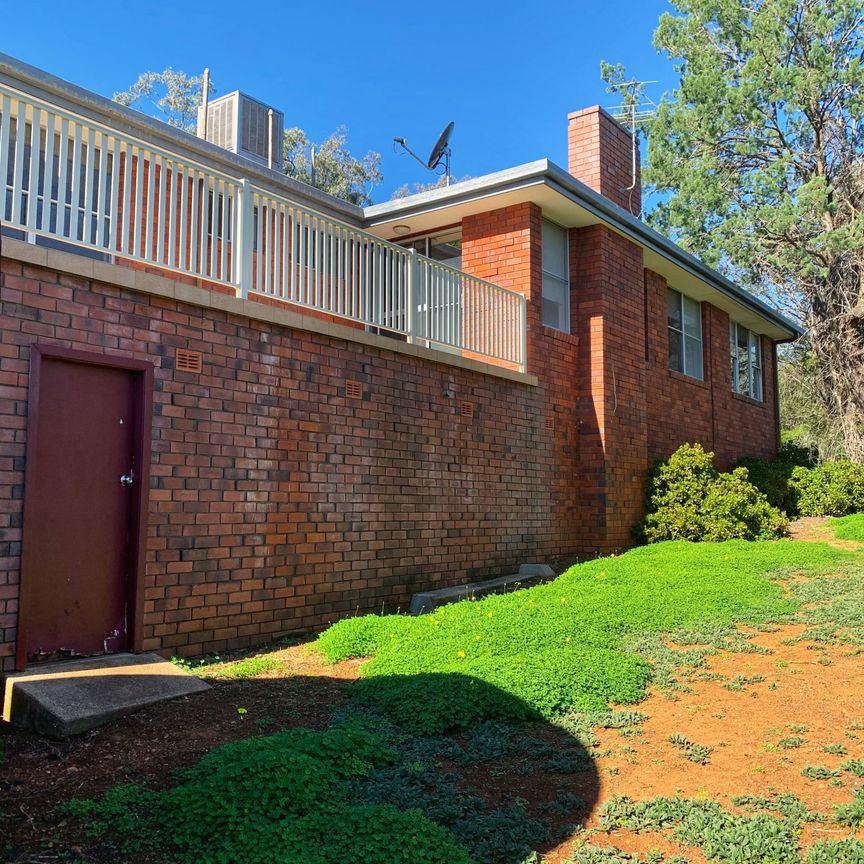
(440, 152)
(635, 110)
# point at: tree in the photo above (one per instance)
(174, 95)
(336, 170)
(758, 157)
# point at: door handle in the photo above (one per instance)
(127, 479)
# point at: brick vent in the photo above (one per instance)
(466, 409)
(353, 389)
(188, 361)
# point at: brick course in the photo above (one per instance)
(681, 408)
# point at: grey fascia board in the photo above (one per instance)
(517, 177)
(19, 75)
(548, 173)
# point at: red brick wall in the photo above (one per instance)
(277, 503)
(609, 318)
(504, 246)
(600, 154)
(681, 408)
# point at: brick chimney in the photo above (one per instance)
(600, 154)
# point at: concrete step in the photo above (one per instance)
(72, 696)
(528, 575)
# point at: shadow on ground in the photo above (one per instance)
(502, 783)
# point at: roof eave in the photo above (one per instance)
(545, 172)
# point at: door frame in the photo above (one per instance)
(141, 447)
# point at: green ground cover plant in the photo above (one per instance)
(566, 646)
(364, 790)
(272, 799)
(849, 527)
(832, 607)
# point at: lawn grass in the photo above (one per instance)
(564, 645)
(849, 527)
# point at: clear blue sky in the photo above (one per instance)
(506, 73)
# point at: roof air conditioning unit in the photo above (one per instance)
(243, 125)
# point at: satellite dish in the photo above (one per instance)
(440, 152)
(440, 148)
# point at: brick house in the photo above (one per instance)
(233, 406)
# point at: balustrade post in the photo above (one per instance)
(244, 242)
(523, 333)
(412, 284)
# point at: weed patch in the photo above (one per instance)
(591, 854)
(248, 667)
(851, 814)
(698, 753)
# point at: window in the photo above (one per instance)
(446, 248)
(745, 349)
(556, 277)
(439, 298)
(685, 334)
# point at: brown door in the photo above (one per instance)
(79, 507)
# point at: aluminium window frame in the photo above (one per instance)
(562, 282)
(685, 335)
(755, 378)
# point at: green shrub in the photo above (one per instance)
(735, 509)
(688, 499)
(830, 489)
(773, 477)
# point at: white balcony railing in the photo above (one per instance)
(76, 180)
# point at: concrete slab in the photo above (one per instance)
(528, 575)
(72, 696)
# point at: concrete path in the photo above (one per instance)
(72, 696)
